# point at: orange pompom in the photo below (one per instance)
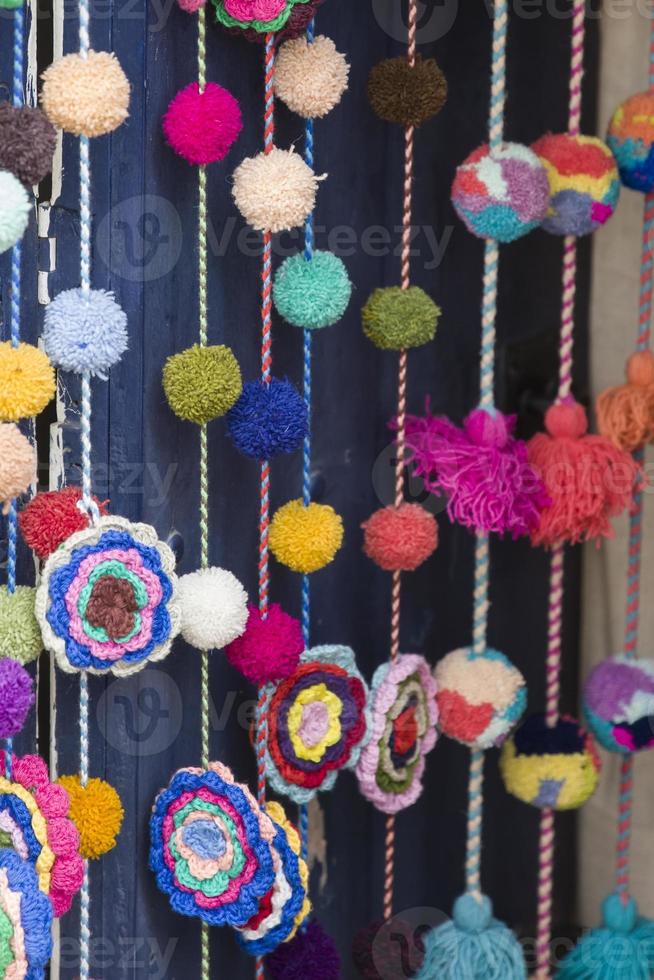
(400, 538)
(625, 414)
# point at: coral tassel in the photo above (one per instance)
(625, 414)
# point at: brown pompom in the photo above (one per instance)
(27, 142)
(407, 95)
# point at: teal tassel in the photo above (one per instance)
(621, 949)
(473, 946)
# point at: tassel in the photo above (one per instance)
(625, 414)
(621, 949)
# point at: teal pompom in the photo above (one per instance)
(312, 293)
(473, 945)
(621, 949)
(14, 210)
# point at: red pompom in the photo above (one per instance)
(270, 648)
(50, 518)
(202, 126)
(400, 538)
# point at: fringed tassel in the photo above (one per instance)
(625, 414)
(621, 949)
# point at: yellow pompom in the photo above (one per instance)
(305, 538)
(96, 811)
(27, 381)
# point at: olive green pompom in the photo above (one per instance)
(202, 383)
(20, 635)
(407, 94)
(395, 318)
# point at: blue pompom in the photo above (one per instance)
(268, 419)
(621, 949)
(312, 293)
(85, 331)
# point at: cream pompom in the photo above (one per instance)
(310, 78)
(86, 96)
(214, 608)
(275, 191)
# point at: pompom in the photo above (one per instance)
(483, 471)
(621, 949)
(625, 414)
(96, 811)
(503, 194)
(191, 6)
(305, 538)
(16, 697)
(14, 210)
(275, 191)
(86, 96)
(27, 142)
(631, 140)
(202, 383)
(312, 293)
(27, 381)
(584, 184)
(407, 94)
(202, 126)
(214, 608)
(377, 954)
(268, 419)
(20, 634)
(400, 538)
(480, 697)
(587, 479)
(395, 318)
(17, 464)
(310, 77)
(11, 4)
(550, 767)
(270, 648)
(49, 518)
(312, 953)
(618, 704)
(85, 331)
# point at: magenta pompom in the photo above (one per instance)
(191, 6)
(482, 470)
(311, 953)
(202, 126)
(270, 648)
(16, 697)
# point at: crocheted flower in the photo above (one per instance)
(404, 717)
(260, 15)
(25, 920)
(318, 722)
(107, 599)
(211, 846)
(34, 822)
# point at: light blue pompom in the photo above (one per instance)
(14, 210)
(312, 293)
(621, 949)
(85, 331)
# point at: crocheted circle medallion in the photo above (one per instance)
(404, 717)
(108, 599)
(263, 16)
(35, 823)
(211, 846)
(20, 635)
(618, 704)
(631, 139)
(318, 722)
(25, 920)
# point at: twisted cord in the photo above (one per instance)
(474, 825)
(545, 878)
(85, 892)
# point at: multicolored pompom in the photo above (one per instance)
(618, 704)
(631, 139)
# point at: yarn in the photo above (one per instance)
(400, 538)
(11, 4)
(191, 6)
(27, 381)
(15, 210)
(108, 599)
(96, 811)
(85, 331)
(482, 469)
(17, 464)
(584, 183)
(618, 704)
(310, 77)
(305, 538)
(202, 126)
(202, 383)
(298, 23)
(270, 647)
(20, 635)
(51, 517)
(312, 953)
(86, 95)
(501, 194)
(213, 606)
(631, 140)
(480, 697)
(621, 949)
(16, 697)
(27, 142)
(376, 950)
(395, 318)
(587, 479)
(625, 414)
(269, 418)
(312, 293)
(407, 94)
(553, 768)
(275, 191)
(403, 731)
(263, 16)
(26, 916)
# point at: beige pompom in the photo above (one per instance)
(310, 78)
(17, 463)
(275, 191)
(86, 96)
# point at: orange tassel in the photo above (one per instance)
(625, 414)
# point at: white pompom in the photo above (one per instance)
(214, 608)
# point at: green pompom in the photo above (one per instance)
(202, 383)
(20, 635)
(395, 318)
(312, 293)
(10, 5)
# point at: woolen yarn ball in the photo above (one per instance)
(618, 704)
(20, 633)
(312, 293)
(407, 94)
(214, 608)
(97, 812)
(310, 77)
(202, 126)
(275, 191)
(17, 464)
(270, 647)
(86, 96)
(27, 142)
(49, 518)
(268, 419)
(85, 331)
(310, 954)
(305, 537)
(16, 697)
(14, 210)
(400, 538)
(395, 318)
(631, 140)
(202, 383)
(27, 381)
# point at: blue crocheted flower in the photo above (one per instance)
(25, 919)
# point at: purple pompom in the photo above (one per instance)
(16, 697)
(311, 953)
(388, 950)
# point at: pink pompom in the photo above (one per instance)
(191, 6)
(270, 648)
(400, 538)
(202, 126)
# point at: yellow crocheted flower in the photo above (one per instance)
(305, 539)
(277, 813)
(96, 811)
(27, 381)
(306, 744)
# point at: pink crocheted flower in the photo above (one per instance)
(249, 10)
